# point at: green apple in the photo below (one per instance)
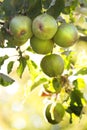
(52, 65)
(44, 26)
(58, 112)
(66, 35)
(21, 28)
(41, 46)
(48, 115)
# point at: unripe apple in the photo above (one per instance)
(41, 46)
(52, 65)
(44, 26)
(58, 112)
(66, 35)
(21, 28)
(48, 115)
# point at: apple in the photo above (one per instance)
(48, 115)
(52, 65)
(58, 112)
(41, 46)
(66, 35)
(44, 26)
(21, 28)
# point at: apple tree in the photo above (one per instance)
(49, 29)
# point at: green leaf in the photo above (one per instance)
(12, 7)
(5, 80)
(35, 9)
(37, 83)
(75, 83)
(56, 9)
(69, 6)
(79, 83)
(57, 84)
(8, 7)
(21, 67)
(76, 96)
(1, 39)
(1, 11)
(53, 86)
(76, 102)
(31, 3)
(48, 87)
(30, 49)
(10, 66)
(67, 56)
(2, 59)
(82, 71)
(6, 36)
(46, 3)
(33, 69)
(74, 108)
(34, 64)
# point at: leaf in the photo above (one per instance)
(57, 84)
(31, 3)
(2, 59)
(37, 83)
(12, 7)
(10, 66)
(69, 6)
(8, 7)
(56, 9)
(35, 9)
(33, 69)
(52, 86)
(1, 39)
(46, 3)
(67, 56)
(49, 88)
(34, 65)
(5, 80)
(82, 71)
(76, 109)
(1, 11)
(76, 96)
(8, 37)
(79, 83)
(21, 67)
(76, 102)
(30, 49)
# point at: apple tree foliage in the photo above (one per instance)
(63, 92)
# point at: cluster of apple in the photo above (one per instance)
(43, 33)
